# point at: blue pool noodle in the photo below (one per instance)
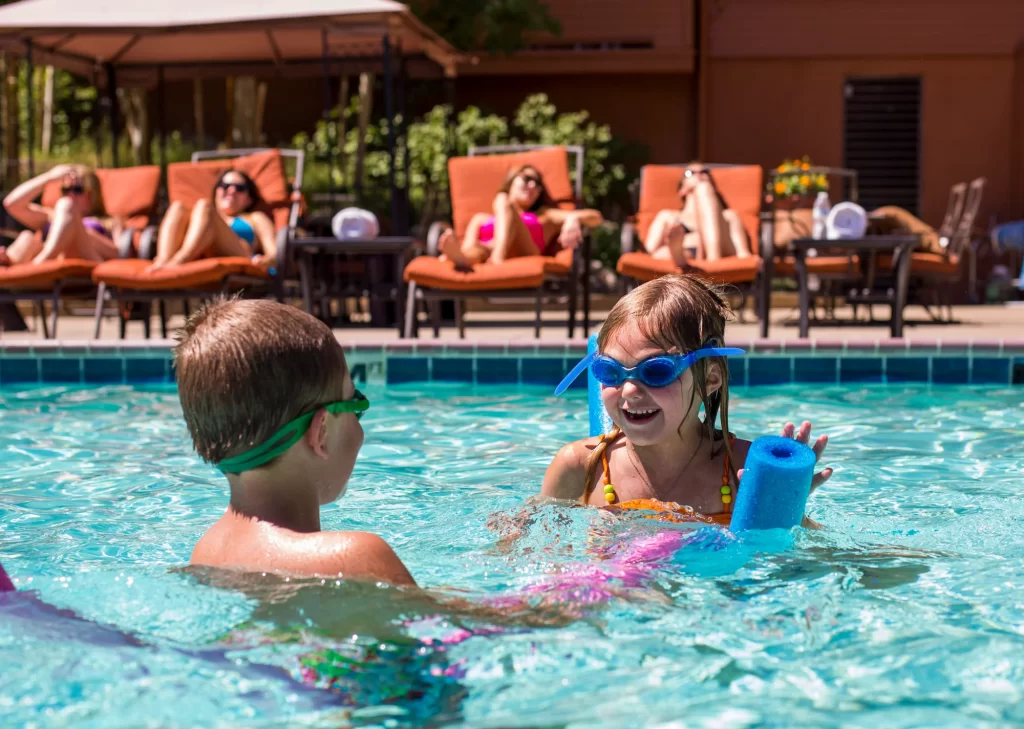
(599, 420)
(776, 483)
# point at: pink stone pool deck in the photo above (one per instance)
(980, 325)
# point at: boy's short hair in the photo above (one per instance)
(247, 367)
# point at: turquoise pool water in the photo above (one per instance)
(907, 611)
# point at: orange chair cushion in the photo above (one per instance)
(474, 181)
(128, 192)
(44, 275)
(191, 181)
(740, 187)
(731, 270)
(559, 264)
(821, 265)
(643, 267)
(132, 273)
(925, 263)
(518, 273)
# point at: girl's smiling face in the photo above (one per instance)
(651, 415)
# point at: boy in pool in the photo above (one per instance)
(268, 399)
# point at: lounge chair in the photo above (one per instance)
(474, 180)
(740, 187)
(931, 271)
(129, 193)
(129, 281)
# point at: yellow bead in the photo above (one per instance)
(726, 490)
(609, 489)
(726, 499)
(610, 498)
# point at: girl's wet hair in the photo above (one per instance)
(544, 199)
(676, 313)
(254, 194)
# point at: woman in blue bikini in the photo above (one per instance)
(227, 225)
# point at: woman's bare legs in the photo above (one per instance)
(24, 248)
(171, 235)
(470, 251)
(207, 230)
(737, 234)
(511, 236)
(666, 237)
(721, 230)
(710, 224)
(69, 236)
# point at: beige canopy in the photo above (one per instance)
(180, 36)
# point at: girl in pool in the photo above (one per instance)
(525, 222)
(702, 228)
(227, 225)
(660, 360)
(75, 227)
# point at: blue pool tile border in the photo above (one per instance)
(544, 363)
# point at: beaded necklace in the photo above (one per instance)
(611, 497)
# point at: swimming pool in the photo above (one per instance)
(907, 611)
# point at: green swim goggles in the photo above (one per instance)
(289, 435)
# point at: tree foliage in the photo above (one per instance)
(495, 26)
(608, 163)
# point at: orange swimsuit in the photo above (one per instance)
(669, 510)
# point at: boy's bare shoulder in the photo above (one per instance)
(259, 546)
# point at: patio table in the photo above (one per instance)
(899, 246)
(314, 254)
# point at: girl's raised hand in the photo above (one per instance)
(804, 436)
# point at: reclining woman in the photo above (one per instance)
(526, 221)
(228, 224)
(75, 227)
(704, 228)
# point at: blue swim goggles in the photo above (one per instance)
(657, 371)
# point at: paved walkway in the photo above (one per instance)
(975, 323)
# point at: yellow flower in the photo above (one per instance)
(781, 168)
(805, 166)
(780, 187)
(805, 180)
(821, 181)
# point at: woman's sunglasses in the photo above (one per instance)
(72, 190)
(658, 371)
(695, 173)
(233, 187)
(530, 180)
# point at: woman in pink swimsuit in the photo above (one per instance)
(525, 222)
(73, 228)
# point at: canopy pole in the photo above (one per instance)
(161, 113)
(405, 139)
(449, 87)
(112, 100)
(389, 110)
(333, 153)
(30, 83)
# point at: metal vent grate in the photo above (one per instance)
(882, 140)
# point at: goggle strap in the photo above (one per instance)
(290, 434)
(281, 441)
(575, 372)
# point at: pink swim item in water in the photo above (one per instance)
(5, 582)
(531, 222)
